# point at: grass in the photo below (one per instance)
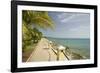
(27, 52)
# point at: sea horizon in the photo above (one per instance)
(63, 37)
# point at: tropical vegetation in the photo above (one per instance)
(32, 21)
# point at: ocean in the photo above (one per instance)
(81, 46)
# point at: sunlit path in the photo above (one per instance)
(43, 53)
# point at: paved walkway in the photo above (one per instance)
(42, 53)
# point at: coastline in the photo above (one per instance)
(46, 50)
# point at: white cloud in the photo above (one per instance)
(67, 18)
(80, 31)
(63, 15)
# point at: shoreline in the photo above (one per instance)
(43, 52)
(79, 46)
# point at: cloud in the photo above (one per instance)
(70, 25)
(67, 18)
(66, 15)
(80, 28)
(63, 15)
(80, 31)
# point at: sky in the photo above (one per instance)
(69, 25)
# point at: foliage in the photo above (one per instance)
(38, 18)
(31, 20)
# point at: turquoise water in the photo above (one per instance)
(81, 46)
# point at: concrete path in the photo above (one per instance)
(42, 53)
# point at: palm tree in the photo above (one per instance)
(38, 18)
(30, 21)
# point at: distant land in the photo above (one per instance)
(63, 37)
